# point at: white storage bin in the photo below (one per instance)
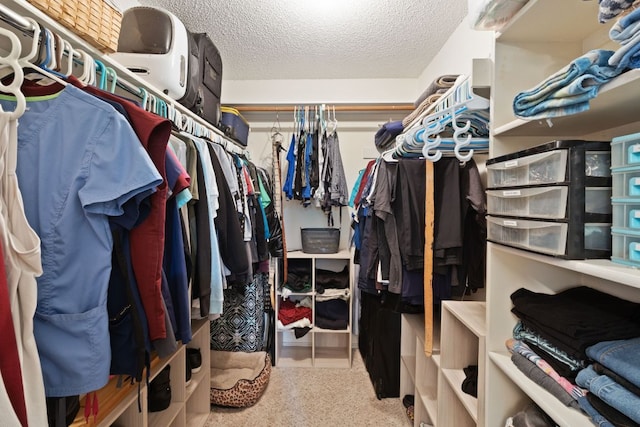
(542, 168)
(538, 236)
(626, 214)
(540, 202)
(625, 150)
(626, 183)
(626, 248)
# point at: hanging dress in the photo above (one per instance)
(22, 261)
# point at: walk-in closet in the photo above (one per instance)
(288, 213)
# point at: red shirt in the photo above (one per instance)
(147, 238)
(9, 359)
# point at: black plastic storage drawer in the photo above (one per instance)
(554, 199)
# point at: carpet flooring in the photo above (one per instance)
(310, 397)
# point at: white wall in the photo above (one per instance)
(125, 4)
(356, 147)
(456, 55)
(332, 91)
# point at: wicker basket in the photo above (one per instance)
(96, 21)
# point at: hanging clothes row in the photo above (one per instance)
(123, 212)
(315, 172)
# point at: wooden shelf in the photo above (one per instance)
(410, 363)
(294, 357)
(525, 26)
(599, 268)
(166, 417)
(561, 414)
(196, 379)
(113, 402)
(430, 402)
(472, 314)
(343, 254)
(317, 330)
(331, 357)
(615, 106)
(197, 419)
(455, 377)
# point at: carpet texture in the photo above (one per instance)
(310, 397)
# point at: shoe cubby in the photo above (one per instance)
(189, 403)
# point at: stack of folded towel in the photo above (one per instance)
(569, 90)
(609, 9)
(626, 32)
(429, 97)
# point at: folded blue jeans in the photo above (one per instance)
(596, 417)
(621, 356)
(610, 392)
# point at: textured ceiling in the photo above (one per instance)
(321, 39)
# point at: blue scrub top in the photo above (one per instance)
(79, 161)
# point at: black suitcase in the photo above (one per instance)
(203, 96)
(194, 76)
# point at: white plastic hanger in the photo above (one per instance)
(12, 60)
(26, 61)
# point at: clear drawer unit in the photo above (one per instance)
(554, 199)
(548, 202)
(591, 240)
(586, 163)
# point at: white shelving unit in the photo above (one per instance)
(189, 406)
(418, 372)
(323, 348)
(462, 343)
(526, 54)
(435, 381)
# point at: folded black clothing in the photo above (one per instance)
(300, 332)
(615, 417)
(334, 309)
(561, 368)
(576, 318)
(332, 279)
(334, 325)
(470, 383)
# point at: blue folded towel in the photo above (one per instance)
(626, 32)
(569, 90)
(609, 9)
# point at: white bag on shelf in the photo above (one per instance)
(492, 14)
